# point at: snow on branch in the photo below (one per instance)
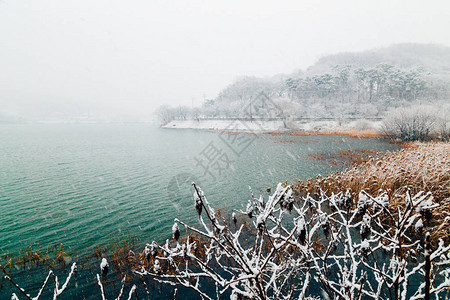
(349, 248)
(287, 246)
(57, 291)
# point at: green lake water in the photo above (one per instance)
(82, 184)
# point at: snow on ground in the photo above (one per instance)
(223, 124)
(271, 125)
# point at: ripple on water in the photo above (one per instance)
(82, 184)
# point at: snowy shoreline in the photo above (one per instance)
(255, 125)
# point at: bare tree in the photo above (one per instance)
(165, 114)
(351, 250)
(416, 123)
(287, 109)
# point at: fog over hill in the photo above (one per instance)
(344, 85)
(434, 58)
(348, 84)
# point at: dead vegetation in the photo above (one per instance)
(344, 131)
(419, 167)
(32, 256)
(345, 157)
(55, 256)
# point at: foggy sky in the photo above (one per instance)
(60, 59)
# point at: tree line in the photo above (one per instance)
(344, 91)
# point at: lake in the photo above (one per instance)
(81, 184)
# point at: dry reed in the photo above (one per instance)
(344, 131)
(419, 167)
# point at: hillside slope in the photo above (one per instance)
(432, 57)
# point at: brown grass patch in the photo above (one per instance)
(419, 167)
(345, 157)
(351, 132)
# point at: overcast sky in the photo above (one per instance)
(64, 58)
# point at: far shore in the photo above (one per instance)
(358, 128)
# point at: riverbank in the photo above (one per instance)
(420, 167)
(319, 126)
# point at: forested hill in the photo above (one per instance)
(360, 84)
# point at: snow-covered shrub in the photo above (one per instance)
(292, 251)
(364, 125)
(416, 123)
(334, 246)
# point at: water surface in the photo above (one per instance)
(80, 184)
